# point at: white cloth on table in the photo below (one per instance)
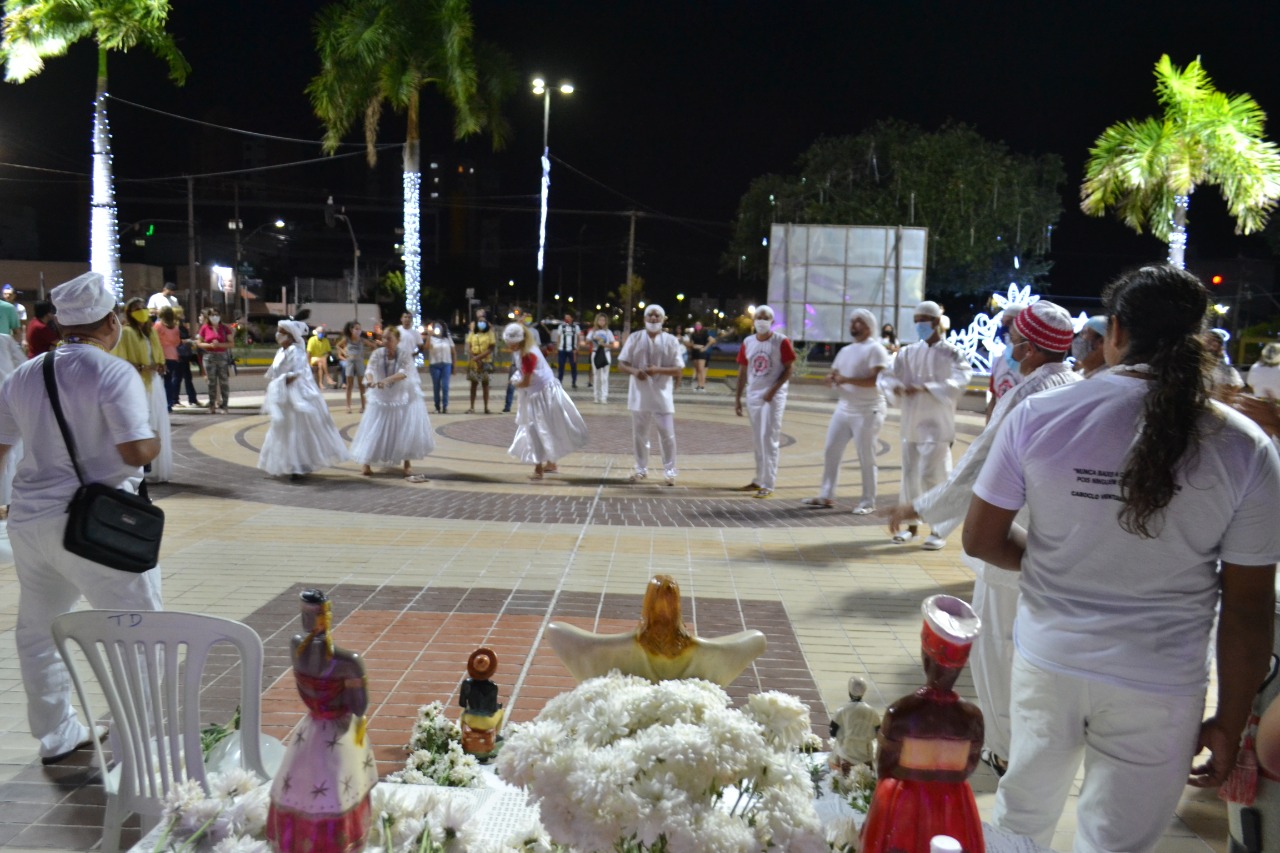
(395, 426)
(548, 425)
(302, 436)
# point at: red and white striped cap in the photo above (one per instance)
(1046, 325)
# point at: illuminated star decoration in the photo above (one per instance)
(978, 343)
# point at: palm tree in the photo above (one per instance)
(377, 52)
(37, 29)
(1146, 170)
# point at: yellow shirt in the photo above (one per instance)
(141, 352)
(481, 342)
(318, 346)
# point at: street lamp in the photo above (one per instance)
(237, 226)
(331, 215)
(540, 87)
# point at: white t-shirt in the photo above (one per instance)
(441, 350)
(410, 340)
(641, 351)
(765, 362)
(1264, 379)
(943, 372)
(104, 404)
(159, 301)
(859, 360)
(1099, 602)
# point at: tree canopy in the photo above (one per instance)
(983, 204)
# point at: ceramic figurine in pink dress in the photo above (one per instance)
(320, 796)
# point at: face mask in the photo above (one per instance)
(1080, 348)
(653, 327)
(481, 326)
(924, 331)
(763, 326)
(1009, 359)
(141, 315)
(215, 319)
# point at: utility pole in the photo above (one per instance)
(192, 308)
(631, 257)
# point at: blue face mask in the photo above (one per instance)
(924, 331)
(481, 326)
(1010, 360)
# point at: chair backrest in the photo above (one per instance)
(149, 665)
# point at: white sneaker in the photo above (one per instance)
(902, 537)
(934, 542)
(864, 508)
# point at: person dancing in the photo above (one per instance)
(396, 428)
(548, 425)
(302, 437)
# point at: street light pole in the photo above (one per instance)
(332, 214)
(540, 87)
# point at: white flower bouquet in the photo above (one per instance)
(435, 753)
(623, 764)
(232, 818)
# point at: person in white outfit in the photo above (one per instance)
(302, 436)
(765, 362)
(1004, 371)
(1087, 348)
(652, 359)
(1264, 376)
(602, 345)
(859, 414)
(1038, 342)
(548, 425)
(396, 429)
(927, 379)
(1152, 519)
(105, 407)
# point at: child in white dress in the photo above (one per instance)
(302, 437)
(396, 427)
(548, 425)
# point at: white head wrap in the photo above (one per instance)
(929, 308)
(295, 328)
(766, 310)
(658, 308)
(865, 316)
(83, 301)
(513, 334)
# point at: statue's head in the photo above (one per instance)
(662, 601)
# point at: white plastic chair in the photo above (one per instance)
(149, 666)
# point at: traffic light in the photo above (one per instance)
(1216, 280)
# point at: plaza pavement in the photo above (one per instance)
(422, 574)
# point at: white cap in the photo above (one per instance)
(649, 309)
(929, 308)
(83, 300)
(513, 333)
(766, 309)
(865, 316)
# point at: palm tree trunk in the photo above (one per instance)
(1178, 237)
(413, 216)
(104, 243)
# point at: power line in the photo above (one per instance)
(230, 129)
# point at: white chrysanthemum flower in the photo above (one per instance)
(199, 816)
(844, 836)
(241, 844)
(181, 797)
(784, 717)
(235, 782)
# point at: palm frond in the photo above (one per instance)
(1179, 89)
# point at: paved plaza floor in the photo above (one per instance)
(421, 574)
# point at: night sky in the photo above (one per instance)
(678, 107)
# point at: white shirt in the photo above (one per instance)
(765, 361)
(410, 340)
(542, 374)
(104, 404)
(1101, 603)
(643, 352)
(859, 360)
(159, 301)
(929, 415)
(441, 350)
(1264, 379)
(1003, 377)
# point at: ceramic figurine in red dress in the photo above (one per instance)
(320, 796)
(929, 743)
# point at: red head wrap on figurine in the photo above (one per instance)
(950, 626)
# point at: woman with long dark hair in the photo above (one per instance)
(351, 355)
(1139, 487)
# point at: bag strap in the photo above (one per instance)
(51, 384)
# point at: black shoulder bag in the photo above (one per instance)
(110, 526)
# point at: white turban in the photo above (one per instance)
(650, 308)
(765, 309)
(83, 301)
(865, 316)
(295, 328)
(513, 334)
(929, 308)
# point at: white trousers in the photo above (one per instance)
(641, 422)
(766, 435)
(925, 464)
(862, 428)
(50, 582)
(1137, 748)
(600, 384)
(991, 660)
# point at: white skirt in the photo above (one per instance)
(395, 427)
(302, 437)
(158, 409)
(548, 426)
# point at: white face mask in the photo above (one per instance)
(763, 326)
(214, 319)
(652, 326)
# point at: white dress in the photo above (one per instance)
(395, 426)
(11, 358)
(302, 437)
(548, 425)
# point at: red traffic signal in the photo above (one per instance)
(1216, 280)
